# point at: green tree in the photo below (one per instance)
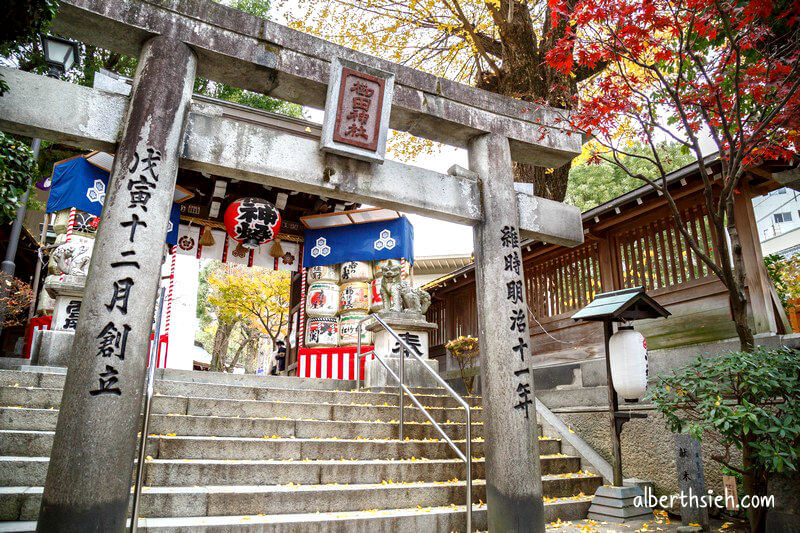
(749, 401)
(24, 21)
(593, 184)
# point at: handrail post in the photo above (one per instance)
(468, 488)
(406, 350)
(148, 398)
(358, 357)
(400, 390)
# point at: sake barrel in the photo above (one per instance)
(322, 299)
(375, 300)
(355, 271)
(348, 330)
(322, 332)
(323, 273)
(354, 297)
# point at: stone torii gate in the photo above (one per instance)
(159, 128)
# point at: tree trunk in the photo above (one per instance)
(247, 340)
(736, 287)
(524, 74)
(754, 484)
(738, 302)
(546, 183)
(219, 352)
(251, 359)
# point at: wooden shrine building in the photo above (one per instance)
(630, 241)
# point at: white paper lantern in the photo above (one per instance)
(627, 351)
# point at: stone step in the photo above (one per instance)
(45, 419)
(445, 518)
(170, 382)
(182, 388)
(20, 471)
(45, 397)
(24, 378)
(22, 503)
(26, 442)
(189, 447)
(302, 411)
(20, 418)
(50, 399)
(38, 443)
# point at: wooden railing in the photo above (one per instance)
(641, 247)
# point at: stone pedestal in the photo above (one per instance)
(618, 504)
(67, 294)
(414, 330)
(54, 345)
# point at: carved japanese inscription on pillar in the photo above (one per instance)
(140, 182)
(357, 111)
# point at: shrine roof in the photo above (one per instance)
(761, 179)
(624, 304)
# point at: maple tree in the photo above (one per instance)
(689, 71)
(497, 45)
(256, 297)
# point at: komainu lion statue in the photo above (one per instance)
(398, 295)
(73, 259)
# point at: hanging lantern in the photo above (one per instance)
(252, 221)
(628, 357)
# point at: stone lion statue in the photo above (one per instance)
(398, 295)
(73, 258)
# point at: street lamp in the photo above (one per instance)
(59, 54)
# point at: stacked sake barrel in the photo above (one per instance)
(354, 301)
(338, 298)
(322, 307)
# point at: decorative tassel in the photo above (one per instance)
(277, 249)
(207, 239)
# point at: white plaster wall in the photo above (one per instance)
(783, 200)
(183, 323)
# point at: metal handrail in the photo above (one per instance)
(148, 400)
(466, 457)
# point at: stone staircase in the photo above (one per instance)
(279, 454)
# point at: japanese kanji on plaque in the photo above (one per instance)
(357, 111)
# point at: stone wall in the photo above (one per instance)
(648, 448)
(576, 392)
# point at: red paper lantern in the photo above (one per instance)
(252, 221)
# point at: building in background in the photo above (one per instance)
(778, 219)
(429, 268)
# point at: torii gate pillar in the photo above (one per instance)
(513, 478)
(89, 477)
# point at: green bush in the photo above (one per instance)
(17, 170)
(744, 400)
